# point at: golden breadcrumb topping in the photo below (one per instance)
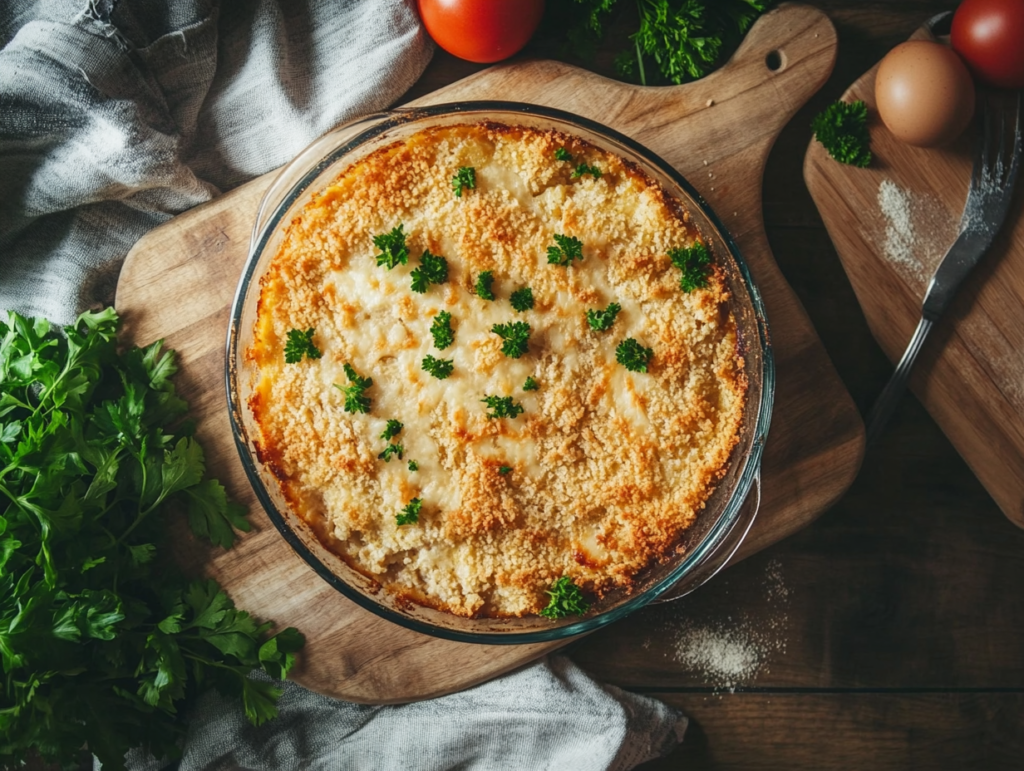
(602, 471)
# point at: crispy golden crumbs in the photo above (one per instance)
(603, 469)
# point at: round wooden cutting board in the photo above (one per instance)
(178, 282)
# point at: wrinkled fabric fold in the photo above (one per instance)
(548, 716)
(114, 116)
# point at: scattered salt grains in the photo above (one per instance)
(727, 656)
(900, 237)
(730, 652)
(918, 231)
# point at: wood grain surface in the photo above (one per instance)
(178, 281)
(970, 373)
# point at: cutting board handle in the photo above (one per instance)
(791, 35)
(724, 124)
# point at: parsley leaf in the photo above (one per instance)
(392, 429)
(414, 466)
(843, 129)
(522, 299)
(439, 368)
(582, 169)
(569, 248)
(682, 40)
(355, 401)
(504, 470)
(516, 336)
(503, 407)
(566, 600)
(211, 515)
(441, 330)
(465, 177)
(392, 247)
(601, 321)
(695, 263)
(410, 513)
(483, 285)
(530, 385)
(432, 270)
(633, 356)
(300, 343)
(389, 451)
(103, 643)
(561, 154)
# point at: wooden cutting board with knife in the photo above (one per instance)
(892, 224)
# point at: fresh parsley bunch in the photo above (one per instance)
(102, 642)
(676, 40)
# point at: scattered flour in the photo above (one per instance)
(729, 652)
(727, 656)
(918, 231)
(900, 238)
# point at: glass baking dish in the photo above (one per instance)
(721, 526)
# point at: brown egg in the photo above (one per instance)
(924, 93)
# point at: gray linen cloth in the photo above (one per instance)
(114, 116)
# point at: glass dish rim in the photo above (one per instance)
(752, 461)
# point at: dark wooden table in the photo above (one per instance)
(890, 633)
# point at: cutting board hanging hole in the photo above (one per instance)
(775, 61)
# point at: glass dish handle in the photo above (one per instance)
(290, 175)
(718, 559)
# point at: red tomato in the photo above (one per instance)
(481, 30)
(989, 35)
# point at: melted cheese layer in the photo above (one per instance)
(609, 467)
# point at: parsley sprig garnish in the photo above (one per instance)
(569, 248)
(504, 470)
(530, 385)
(465, 178)
(566, 600)
(392, 247)
(441, 330)
(582, 169)
(439, 368)
(104, 642)
(414, 466)
(393, 428)
(503, 406)
(695, 263)
(300, 344)
(516, 337)
(601, 321)
(561, 154)
(410, 513)
(843, 129)
(389, 451)
(484, 282)
(633, 356)
(355, 400)
(433, 269)
(522, 299)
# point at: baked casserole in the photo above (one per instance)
(496, 369)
